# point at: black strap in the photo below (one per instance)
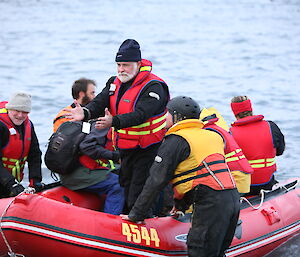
(198, 168)
(58, 118)
(198, 176)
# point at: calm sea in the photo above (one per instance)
(211, 50)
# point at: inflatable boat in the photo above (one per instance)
(59, 222)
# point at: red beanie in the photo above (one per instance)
(241, 107)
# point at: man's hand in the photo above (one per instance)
(104, 122)
(126, 217)
(75, 114)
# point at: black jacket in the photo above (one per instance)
(146, 105)
(173, 150)
(34, 156)
(93, 145)
(278, 138)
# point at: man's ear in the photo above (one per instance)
(81, 95)
(139, 64)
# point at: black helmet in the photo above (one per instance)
(183, 107)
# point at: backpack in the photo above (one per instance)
(62, 154)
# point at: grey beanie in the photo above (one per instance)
(19, 101)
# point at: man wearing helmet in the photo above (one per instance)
(193, 160)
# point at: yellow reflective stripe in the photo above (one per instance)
(229, 154)
(112, 165)
(159, 119)
(18, 168)
(153, 122)
(14, 172)
(262, 160)
(102, 163)
(270, 160)
(122, 131)
(261, 163)
(145, 68)
(257, 165)
(3, 110)
(146, 124)
(232, 159)
(14, 160)
(270, 164)
(256, 161)
(233, 152)
(162, 126)
(136, 133)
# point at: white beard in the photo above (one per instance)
(125, 77)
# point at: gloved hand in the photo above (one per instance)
(36, 184)
(16, 189)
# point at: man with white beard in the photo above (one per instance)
(133, 104)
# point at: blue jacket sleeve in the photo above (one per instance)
(93, 145)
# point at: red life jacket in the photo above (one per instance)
(151, 131)
(15, 153)
(253, 135)
(234, 155)
(100, 164)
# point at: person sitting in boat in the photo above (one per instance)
(19, 144)
(234, 156)
(260, 141)
(95, 172)
(193, 159)
(83, 91)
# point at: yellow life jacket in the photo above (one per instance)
(206, 162)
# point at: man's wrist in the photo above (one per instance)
(115, 122)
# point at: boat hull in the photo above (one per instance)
(60, 222)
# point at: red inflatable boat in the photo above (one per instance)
(59, 222)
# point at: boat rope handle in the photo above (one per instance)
(262, 197)
(262, 193)
(10, 253)
(291, 188)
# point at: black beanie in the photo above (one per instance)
(129, 51)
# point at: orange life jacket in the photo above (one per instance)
(152, 130)
(15, 153)
(253, 135)
(60, 118)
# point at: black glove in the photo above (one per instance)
(16, 189)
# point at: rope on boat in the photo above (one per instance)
(262, 197)
(10, 253)
(262, 194)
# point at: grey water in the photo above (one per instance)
(211, 50)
